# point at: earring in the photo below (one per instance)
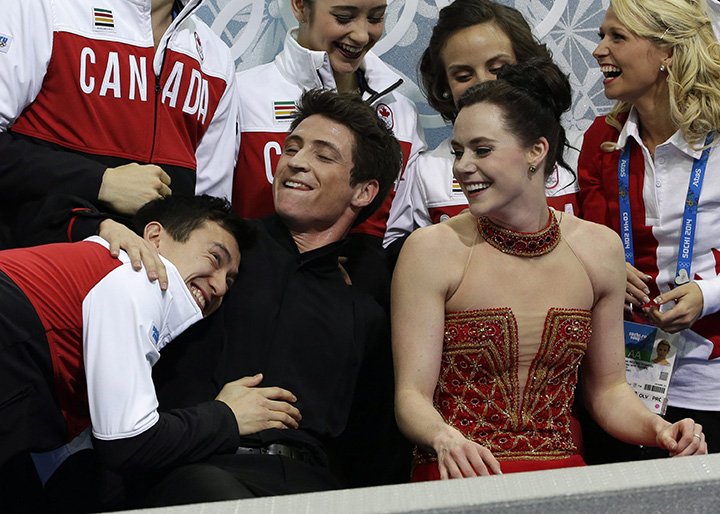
(662, 67)
(446, 95)
(532, 169)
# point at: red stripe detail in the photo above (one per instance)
(56, 279)
(70, 227)
(436, 213)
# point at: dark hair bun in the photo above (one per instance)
(542, 80)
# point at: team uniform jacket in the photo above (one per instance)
(105, 324)
(82, 80)
(437, 196)
(267, 96)
(658, 192)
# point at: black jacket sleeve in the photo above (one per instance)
(55, 219)
(179, 437)
(30, 171)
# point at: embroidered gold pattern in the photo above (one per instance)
(478, 389)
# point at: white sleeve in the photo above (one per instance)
(217, 152)
(421, 213)
(710, 289)
(123, 321)
(400, 220)
(26, 39)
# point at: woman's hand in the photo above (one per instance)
(689, 305)
(683, 438)
(636, 289)
(141, 252)
(458, 457)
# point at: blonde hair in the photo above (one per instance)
(694, 73)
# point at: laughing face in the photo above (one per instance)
(208, 261)
(312, 190)
(345, 29)
(491, 165)
(629, 63)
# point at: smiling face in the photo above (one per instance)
(312, 190)
(630, 64)
(345, 29)
(475, 54)
(491, 165)
(208, 261)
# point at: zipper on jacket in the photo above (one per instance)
(158, 88)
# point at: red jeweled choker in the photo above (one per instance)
(522, 244)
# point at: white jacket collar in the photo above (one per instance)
(311, 69)
(632, 129)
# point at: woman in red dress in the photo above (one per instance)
(495, 309)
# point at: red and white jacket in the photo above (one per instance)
(437, 196)
(658, 190)
(83, 77)
(267, 96)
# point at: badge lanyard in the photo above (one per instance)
(682, 273)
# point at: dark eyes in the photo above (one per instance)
(480, 152)
(344, 19)
(614, 35)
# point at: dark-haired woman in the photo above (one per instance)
(470, 42)
(513, 295)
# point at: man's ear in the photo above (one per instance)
(152, 233)
(365, 193)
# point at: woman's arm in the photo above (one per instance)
(608, 397)
(420, 286)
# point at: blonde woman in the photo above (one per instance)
(642, 170)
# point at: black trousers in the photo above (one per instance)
(234, 477)
(29, 416)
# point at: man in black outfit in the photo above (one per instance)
(292, 317)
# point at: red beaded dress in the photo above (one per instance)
(513, 344)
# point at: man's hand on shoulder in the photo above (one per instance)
(140, 251)
(259, 408)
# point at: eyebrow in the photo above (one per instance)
(355, 8)
(223, 249)
(477, 140)
(495, 57)
(320, 142)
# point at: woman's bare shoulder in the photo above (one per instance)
(598, 247)
(587, 236)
